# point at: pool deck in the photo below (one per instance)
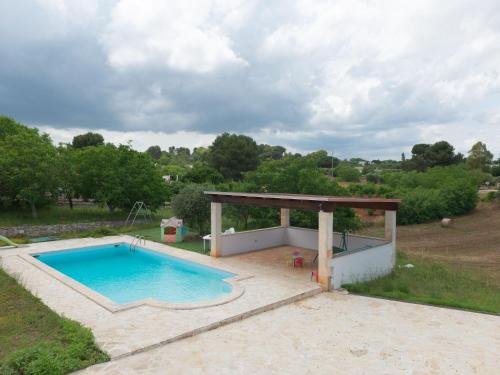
(125, 332)
(332, 333)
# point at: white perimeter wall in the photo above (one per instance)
(366, 258)
(251, 240)
(308, 239)
(363, 265)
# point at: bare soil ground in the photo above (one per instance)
(472, 241)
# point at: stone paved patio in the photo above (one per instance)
(332, 334)
(125, 332)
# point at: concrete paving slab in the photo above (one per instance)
(329, 334)
(122, 333)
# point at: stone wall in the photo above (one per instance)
(51, 230)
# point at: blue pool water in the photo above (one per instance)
(126, 276)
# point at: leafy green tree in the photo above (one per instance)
(347, 173)
(270, 152)
(322, 159)
(495, 168)
(200, 154)
(427, 156)
(203, 173)
(88, 139)
(233, 154)
(27, 162)
(241, 213)
(155, 152)
(67, 168)
(479, 157)
(174, 171)
(119, 176)
(442, 154)
(193, 206)
(291, 175)
(297, 176)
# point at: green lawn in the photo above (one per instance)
(192, 242)
(64, 215)
(434, 283)
(35, 340)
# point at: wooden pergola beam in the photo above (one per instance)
(305, 202)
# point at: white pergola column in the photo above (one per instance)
(390, 226)
(285, 217)
(216, 229)
(325, 245)
(390, 231)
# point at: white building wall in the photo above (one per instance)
(308, 239)
(363, 265)
(366, 259)
(251, 240)
(302, 237)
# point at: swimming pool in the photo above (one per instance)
(125, 276)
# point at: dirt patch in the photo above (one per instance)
(472, 241)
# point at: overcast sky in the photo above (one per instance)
(359, 78)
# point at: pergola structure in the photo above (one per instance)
(324, 205)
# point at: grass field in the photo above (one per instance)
(64, 215)
(34, 339)
(457, 266)
(434, 283)
(192, 242)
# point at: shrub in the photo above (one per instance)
(78, 351)
(374, 178)
(430, 195)
(347, 173)
(491, 196)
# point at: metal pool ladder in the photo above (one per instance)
(137, 241)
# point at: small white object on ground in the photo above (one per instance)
(409, 265)
(446, 222)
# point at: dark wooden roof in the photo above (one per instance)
(306, 202)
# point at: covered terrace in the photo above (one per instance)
(363, 258)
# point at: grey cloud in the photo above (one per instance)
(61, 77)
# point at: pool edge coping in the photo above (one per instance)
(237, 289)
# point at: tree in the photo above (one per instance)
(442, 154)
(297, 176)
(270, 152)
(193, 206)
(479, 157)
(203, 173)
(495, 168)
(233, 154)
(155, 152)
(119, 176)
(200, 154)
(88, 139)
(347, 173)
(427, 156)
(322, 160)
(67, 163)
(26, 165)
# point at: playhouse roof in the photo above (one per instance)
(172, 222)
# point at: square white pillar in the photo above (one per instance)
(285, 217)
(325, 247)
(390, 226)
(390, 232)
(216, 229)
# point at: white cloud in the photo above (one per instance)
(179, 35)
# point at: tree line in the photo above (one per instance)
(34, 172)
